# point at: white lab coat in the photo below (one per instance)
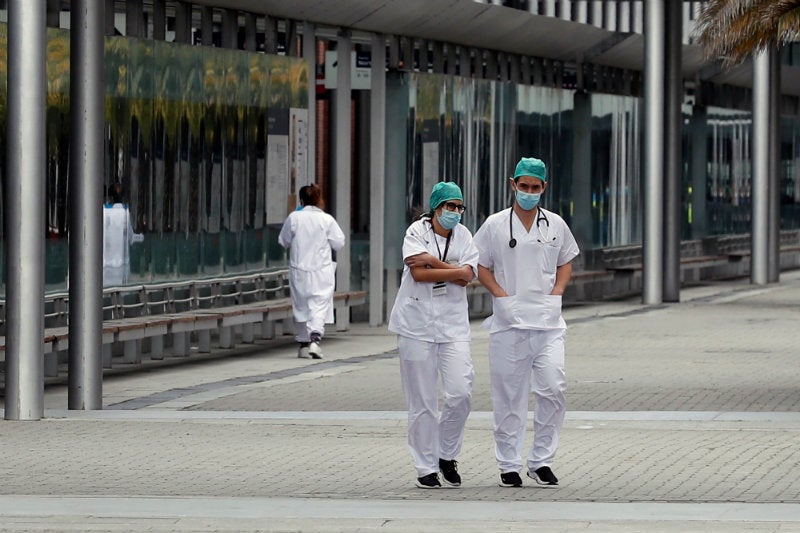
(433, 334)
(118, 235)
(526, 333)
(311, 234)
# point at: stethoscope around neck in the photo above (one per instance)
(540, 216)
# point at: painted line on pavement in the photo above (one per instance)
(621, 416)
(316, 508)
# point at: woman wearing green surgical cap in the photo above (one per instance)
(430, 317)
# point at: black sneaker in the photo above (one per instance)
(544, 476)
(450, 472)
(431, 481)
(510, 479)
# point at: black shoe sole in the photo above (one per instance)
(541, 483)
(509, 485)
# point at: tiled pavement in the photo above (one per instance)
(683, 417)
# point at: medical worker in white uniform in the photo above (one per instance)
(310, 234)
(525, 263)
(118, 236)
(430, 317)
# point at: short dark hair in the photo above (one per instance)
(310, 194)
(115, 195)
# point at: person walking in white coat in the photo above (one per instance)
(430, 317)
(525, 263)
(311, 235)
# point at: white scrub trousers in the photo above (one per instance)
(432, 437)
(312, 301)
(513, 354)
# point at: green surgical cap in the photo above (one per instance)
(443, 191)
(530, 166)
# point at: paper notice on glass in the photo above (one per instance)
(298, 137)
(277, 165)
(277, 178)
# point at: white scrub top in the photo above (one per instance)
(118, 235)
(526, 272)
(417, 313)
(310, 234)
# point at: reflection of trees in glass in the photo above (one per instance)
(57, 132)
(180, 121)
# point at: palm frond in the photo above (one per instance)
(732, 30)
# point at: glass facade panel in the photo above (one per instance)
(729, 170)
(188, 133)
(789, 170)
(544, 130)
(471, 132)
(203, 143)
(616, 170)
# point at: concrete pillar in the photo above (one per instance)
(159, 20)
(395, 183)
(698, 135)
(310, 55)
(582, 227)
(774, 208)
(377, 182)
(342, 166)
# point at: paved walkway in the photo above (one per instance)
(683, 417)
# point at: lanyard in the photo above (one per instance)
(446, 246)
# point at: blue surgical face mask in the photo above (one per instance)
(449, 219)
(528, 201)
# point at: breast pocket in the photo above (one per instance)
(550, 252)
(414, 314)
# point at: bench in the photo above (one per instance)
(172, 312)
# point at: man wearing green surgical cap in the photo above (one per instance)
(526, 255)
(431, 319)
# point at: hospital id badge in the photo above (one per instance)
(439, 288)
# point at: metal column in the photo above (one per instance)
(672, 153)
(24, 389)
(774, 208)
(582, 224)
(698, 163)
(310, 55)
(396, 183)
(653, 152)
(377, 163)
(759, 267)
(87, 116)
(342, 166)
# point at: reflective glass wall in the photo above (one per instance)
(616, 180)
(789, 168)
(473, 132)
(207, 143)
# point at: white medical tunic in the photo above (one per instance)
(527, 272)
(417, 313)
(311, 234)
(118, 235)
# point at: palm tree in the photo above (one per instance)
(732, 30)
